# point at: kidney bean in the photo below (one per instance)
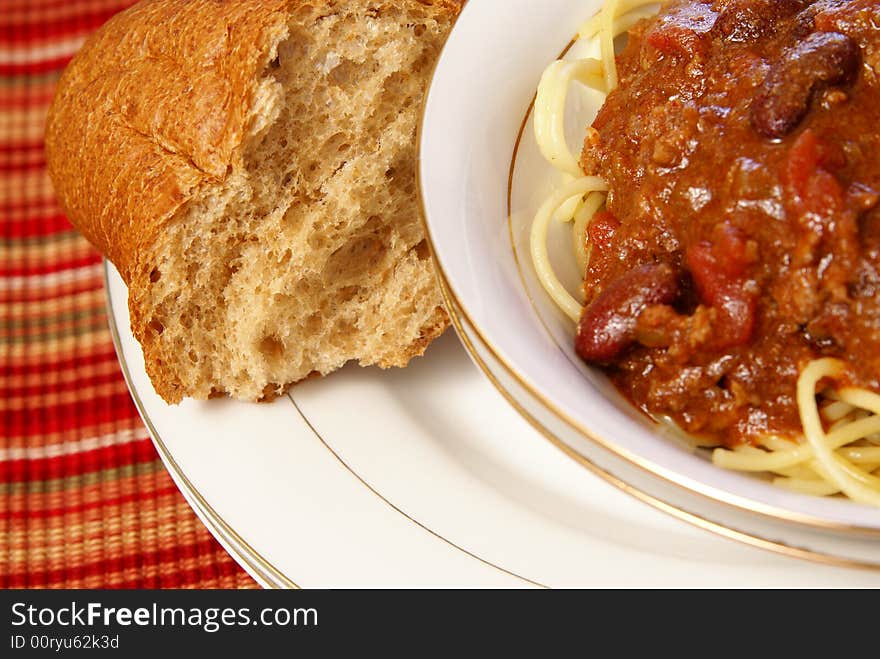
(608, 325)
(821, 60)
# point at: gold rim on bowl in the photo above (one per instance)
(459, 315)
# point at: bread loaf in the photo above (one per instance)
(249, 167)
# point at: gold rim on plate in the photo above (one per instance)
(255, 562)
(400, 510)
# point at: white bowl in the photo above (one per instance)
(481, 92)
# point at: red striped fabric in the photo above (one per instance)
(37, 28)
(84, 500)
(81, 507)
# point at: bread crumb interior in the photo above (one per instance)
(311, 251)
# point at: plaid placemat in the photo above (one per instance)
(84, 500)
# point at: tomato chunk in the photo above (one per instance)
(684, 30)
(837, 16)
(718, 270)
(810, 188)
(602, 229)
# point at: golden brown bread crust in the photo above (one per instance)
(152, 111)
(153, 107)
(155, 104)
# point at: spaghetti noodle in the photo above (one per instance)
(839, 452)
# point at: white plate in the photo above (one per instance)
(471, 125)
(422, 477)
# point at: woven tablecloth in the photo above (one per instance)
(84, 500)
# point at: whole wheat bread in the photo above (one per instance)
(249, 167)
